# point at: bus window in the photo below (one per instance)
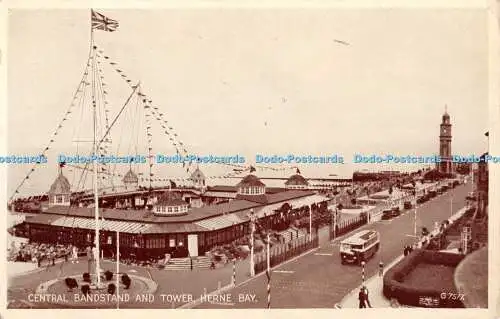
(346, 247)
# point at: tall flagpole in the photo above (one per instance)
(96, 196)
(117, 270)
(268, 271)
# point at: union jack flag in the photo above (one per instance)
(101, 22)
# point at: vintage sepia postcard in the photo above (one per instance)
(238, 157)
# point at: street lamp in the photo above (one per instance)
(310, 222)
(252, 230)
(415, 219)
(363, 272)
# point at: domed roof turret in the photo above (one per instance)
(446, 116)
(130, 177)
(296, 179)
(61, 185)
(250, 180)
(197, 174)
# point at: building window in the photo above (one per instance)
(169, 209)
(59, 199)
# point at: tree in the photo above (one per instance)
(108, 275)
(85, 290)
(126, 281)
(86, 277)
(111, 289)
(71, 283)
(463, 168)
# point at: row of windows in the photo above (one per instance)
(172, 209)
(370, 241)
(59, 199)
(297, 186)
(252, 190)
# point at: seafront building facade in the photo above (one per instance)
(152, 224)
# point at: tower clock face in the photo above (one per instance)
(444, 131)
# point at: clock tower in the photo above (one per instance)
(445, 145)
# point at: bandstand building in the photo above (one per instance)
(170, 224)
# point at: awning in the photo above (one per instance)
(105, 225)
(306, 201)
(220, 194)
(220, 222)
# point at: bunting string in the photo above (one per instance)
(79, 90)
(149, 137)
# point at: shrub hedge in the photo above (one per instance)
(395, 288)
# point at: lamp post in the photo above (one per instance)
(415, 221)
(252, 230)
(310, 222)
(363, 272)
(451, 204)
(117, 269)
(268, 272)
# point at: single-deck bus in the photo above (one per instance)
(359, 247)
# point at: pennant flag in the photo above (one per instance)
(487, 134)
(101, 22)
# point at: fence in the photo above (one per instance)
(349, 225)
(284, 252)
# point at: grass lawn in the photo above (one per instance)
(428, 276)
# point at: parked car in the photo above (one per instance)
(432, 193)
(407, 205)
(390, 213)
(471, 196)
(396, 211)
(387, 214)
(425, 197)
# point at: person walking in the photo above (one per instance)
(361, 298)
(380, 269)
(367, 299)
(74, 255)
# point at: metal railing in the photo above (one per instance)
(283, 252)
(348, 225)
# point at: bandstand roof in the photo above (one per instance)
(206, 218)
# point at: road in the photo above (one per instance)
(318, 280)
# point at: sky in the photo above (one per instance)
(257, 81)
